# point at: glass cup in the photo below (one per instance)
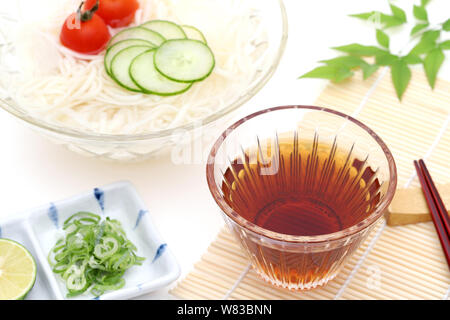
(300, 187)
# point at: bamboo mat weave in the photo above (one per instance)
(404, 262)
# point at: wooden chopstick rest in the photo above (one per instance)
(409, 205)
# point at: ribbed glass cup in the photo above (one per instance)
(287, 259)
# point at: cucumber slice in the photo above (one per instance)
(120, 66)
(119, 46)
(167, 29)
(194, 34)
(146, 77)
(184, 60)
(138, 33)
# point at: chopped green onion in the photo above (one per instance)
(94, 254)
(107, 248)
(82, 217)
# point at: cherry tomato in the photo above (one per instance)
(85, 32)
(116, 13)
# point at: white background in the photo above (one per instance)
(34, 171)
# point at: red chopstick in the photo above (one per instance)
(437, 198)
(437, 208)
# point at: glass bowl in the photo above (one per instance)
(300, 187)
(133, 147)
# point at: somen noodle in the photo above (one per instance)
(73, 90)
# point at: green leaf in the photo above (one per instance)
(383, 38)
(419, 27)
(445, 45)
(365, 15)
(333, 73)
(398, 13)
(427, 42)
(349, 62)
(424, 3)
(401, 76)
(368, 70)
(385, 59)
(432, 63)
(386, 20)
(412, 59)
(431, 35)
(390, 21)
(420, 13)
(423, 47)
(360, 50)
(342, 74)
(446, 25)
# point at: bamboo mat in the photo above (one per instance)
(404, 262)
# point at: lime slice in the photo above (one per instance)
(17, 270)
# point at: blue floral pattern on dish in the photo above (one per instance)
(100, 196)
(159, 252)
(53, 215)
(141, 214)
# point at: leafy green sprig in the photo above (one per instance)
(429, 50)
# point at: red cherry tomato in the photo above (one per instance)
(85, 32)
(116, 13)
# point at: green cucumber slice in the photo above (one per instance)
(167, 29)
(146, 77)
(194, 34)
(120, 66)
(119, 46)
(138, 33)
(184, 60)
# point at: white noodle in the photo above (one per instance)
(73, 90)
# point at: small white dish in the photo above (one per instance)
(38, 230)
